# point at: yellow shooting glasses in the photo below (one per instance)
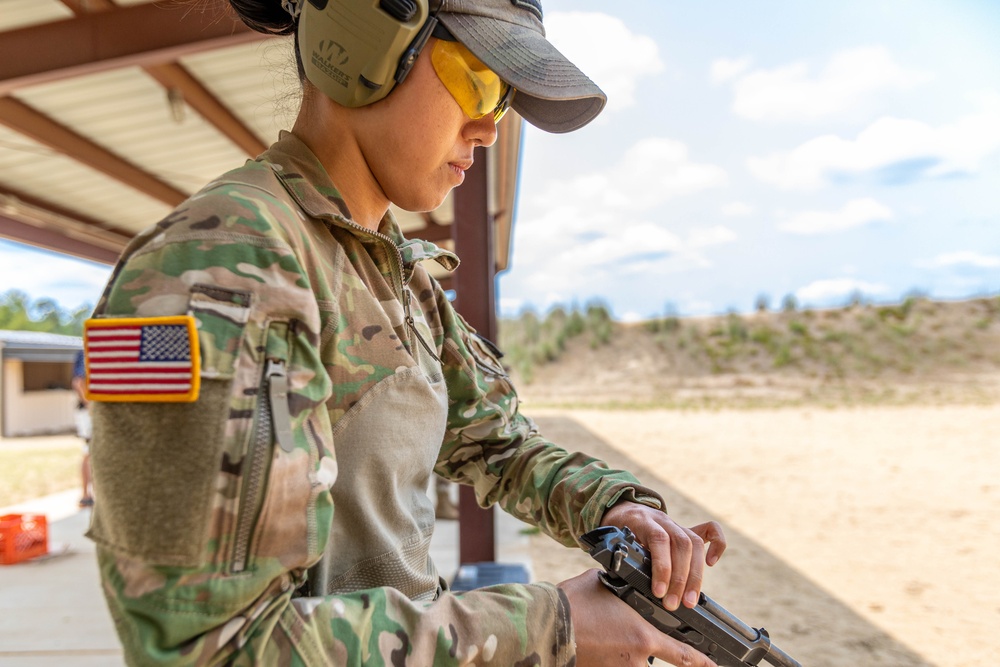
(476, 88)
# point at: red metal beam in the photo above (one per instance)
(10, 195)
(24, 119)
(172, 75)
(434, 232)
(140, 35)
(175, 76)
(39, 222)
(51, 239)
(88, 6)
(474, 285)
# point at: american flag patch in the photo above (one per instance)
(145, 359)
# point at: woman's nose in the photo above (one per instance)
(482, 131)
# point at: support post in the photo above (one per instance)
(474, 286)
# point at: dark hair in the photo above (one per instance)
(265, 16)
(269, 17)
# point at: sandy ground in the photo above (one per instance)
(858, 537)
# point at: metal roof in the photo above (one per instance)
(113, 112)
(38, 346)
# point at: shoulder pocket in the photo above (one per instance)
(221, 315)
(165, 473)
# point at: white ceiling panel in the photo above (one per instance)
(258, 82)
(37, 171)
(22, 13)
(129, 114)
(126, 112)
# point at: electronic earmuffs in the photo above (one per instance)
(356, 51)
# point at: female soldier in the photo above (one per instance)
(276, 334)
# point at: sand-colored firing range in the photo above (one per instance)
(857, 537)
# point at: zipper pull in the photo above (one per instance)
(277, 390)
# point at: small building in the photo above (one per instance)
(36, 383)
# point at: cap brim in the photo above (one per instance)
(552, 93)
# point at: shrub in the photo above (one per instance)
(789, 304)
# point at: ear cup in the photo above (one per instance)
(352, 50)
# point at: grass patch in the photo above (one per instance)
(31, 473)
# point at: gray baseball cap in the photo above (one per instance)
(508, 36)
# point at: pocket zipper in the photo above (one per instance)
(424, 344)
(272, 417)
(276, 377)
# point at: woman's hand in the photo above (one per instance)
(609, 633)
(678, 553)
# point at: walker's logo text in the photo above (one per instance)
(329, 57)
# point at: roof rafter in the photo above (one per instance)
(140, 35)
(31, 220)
(22, 118)
(53, 239)
(434, 231)
(176, 76)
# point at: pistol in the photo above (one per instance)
(707, 627)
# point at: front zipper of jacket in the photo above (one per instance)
(402, 293)
(395, 268)
(273, 423)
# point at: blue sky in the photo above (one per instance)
(766, 148)
(775, 148)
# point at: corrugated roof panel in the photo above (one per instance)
(127, 112)
(40, 172)
(257, 81)
(22, 13)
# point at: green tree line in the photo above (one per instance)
(19, 312)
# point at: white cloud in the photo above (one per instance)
(790, 93)
(622, 59)
(737, 209)
(509, 306)
(649, 173)
(962, 258)
(826, 291)
(724, 69)
(709, 236)
(855, 213)
(71, 282)
(595, 227)
(890, 149)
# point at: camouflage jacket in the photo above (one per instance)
(327, 354)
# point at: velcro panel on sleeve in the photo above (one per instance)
(155, 467)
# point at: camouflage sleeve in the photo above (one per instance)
(493, 447)
(206, 524)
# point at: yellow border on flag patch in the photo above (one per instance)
(192, 332)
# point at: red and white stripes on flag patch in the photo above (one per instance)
(144, 359)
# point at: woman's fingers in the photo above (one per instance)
(711, 532)
(678, 554)
(609, 632)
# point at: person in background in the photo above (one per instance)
(280, 351)
(81, 416)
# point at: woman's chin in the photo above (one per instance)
(423, 203)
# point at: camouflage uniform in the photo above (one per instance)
(210, 513)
